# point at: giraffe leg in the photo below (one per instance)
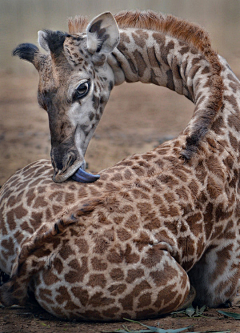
(160, 288)
(168, 279)
(215, 276)
(15, 290)
(3, 277)
(189, 300)
(154, 285)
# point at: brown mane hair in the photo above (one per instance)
(170, 25)
(77, 24)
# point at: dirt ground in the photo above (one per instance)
(137, 118)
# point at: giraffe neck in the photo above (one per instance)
(225, 128)
(154, 57)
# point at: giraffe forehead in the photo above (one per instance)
(48, 80)
(75, 49)
(59, 79)
(53, 75)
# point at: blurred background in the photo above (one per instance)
(137, 117)
(21, 19)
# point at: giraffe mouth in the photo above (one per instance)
(77, 174)
(70, 164)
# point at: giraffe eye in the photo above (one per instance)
(81, 91)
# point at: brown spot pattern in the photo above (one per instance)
(162, 222)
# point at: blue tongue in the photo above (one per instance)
(82, 176)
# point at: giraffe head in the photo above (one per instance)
(75, 82)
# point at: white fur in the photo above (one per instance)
(42, 40)
(93, 41)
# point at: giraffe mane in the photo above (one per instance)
(77, 24)
(168, 24)
(190, 33)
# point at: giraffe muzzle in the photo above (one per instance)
(80, 176)
(73, 168)
(66, 161)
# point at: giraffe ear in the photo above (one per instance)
(42, 40)
(102, 34)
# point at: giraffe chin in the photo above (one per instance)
(82, 176)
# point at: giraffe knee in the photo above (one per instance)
(13, 293)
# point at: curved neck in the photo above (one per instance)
(153, 57)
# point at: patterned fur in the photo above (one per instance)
(131, 244)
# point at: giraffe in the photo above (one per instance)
(131, 244)
(81, 68)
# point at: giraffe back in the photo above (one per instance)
(123, 245)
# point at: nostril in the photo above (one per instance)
(54, 165)
(63, 160)
(70, 160)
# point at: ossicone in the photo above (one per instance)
(27, 52)
(51, 41)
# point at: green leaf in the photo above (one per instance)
(153, 329)
(126, 330)
(230, 314)
(160, 330)
(212, 332)
(190, 311)
(202, 309)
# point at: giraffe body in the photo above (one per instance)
(127, 244)
(130, 244)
